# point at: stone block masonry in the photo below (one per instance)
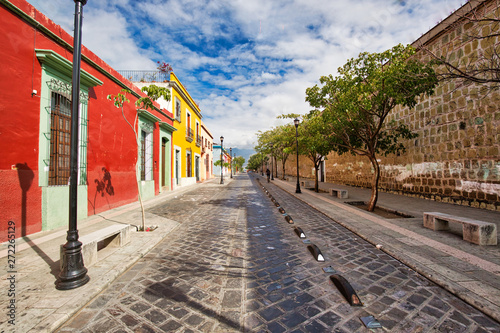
(456, 156)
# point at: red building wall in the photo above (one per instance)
(112, 149)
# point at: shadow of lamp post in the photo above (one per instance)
(296, 123)
(73, 273)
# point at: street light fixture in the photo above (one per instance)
(296, 123)
(221, 161)
(231, 159)
(73, 273)
(272, 161)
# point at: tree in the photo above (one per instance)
(284, 144)
(314, 141)
(254, 162)
(355, 104)
(153, 93)
(238, 162)
(473, 56)
(265, 139)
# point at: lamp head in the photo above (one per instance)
(296, 122)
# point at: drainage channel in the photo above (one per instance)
(340, 282)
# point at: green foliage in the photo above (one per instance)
(354, 106)
(238, 162)
(153, 93)
(356, 103)
(254, 162)
(218, 163)
(120, 98)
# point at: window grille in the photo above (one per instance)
(60, 135)
(143, 155)
(146, 166)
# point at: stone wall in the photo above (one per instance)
(455, 157)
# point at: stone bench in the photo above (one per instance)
(339, 193)
(474, 231)
(307, 183)
(116, 235)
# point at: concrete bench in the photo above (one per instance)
(307, 183)
(474, 231)
(113, 236)
(339, 193)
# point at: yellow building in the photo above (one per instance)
(186, 152)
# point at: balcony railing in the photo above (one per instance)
(198, 140)
(145, 76)
(189, 135)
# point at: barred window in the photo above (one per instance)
(177, 109)
(146, 155)
(60, 134)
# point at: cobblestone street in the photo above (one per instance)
(235, 264)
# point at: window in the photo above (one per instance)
(146, 152)
(177, 109)
(60, 135)
(188, 164)
(56, 118)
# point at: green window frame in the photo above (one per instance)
(55, 104)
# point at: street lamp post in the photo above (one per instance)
(272, 162)
(221, 161)
(231, 159)
(73, 273)
(296, 123)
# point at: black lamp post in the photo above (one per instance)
(73, 273)
(296, 123)
(231, 159)
(221, 161)
(272, 161)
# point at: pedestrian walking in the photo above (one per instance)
(268, 173)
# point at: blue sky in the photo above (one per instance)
(246, 61)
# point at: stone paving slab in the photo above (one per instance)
(235, 265)
(440, 268)
(42, 308)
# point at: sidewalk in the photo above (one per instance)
(40, 307)
(469, 271)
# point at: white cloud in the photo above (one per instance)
(244, 61)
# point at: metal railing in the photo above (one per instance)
(145, 76)
(189, 134)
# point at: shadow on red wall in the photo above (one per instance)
(103, 186)
(25, 176)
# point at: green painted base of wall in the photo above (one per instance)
(55, 206)
(147, 189)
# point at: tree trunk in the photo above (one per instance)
(283, 166)
(375, 180)
(143, 224)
